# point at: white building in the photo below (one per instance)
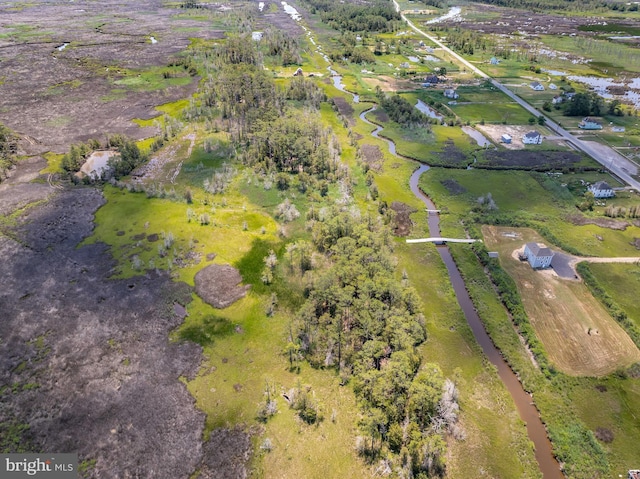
(537, 256)
(601, 189)
(537, 86)
(505, 138)
(451, 93)
(532, 138)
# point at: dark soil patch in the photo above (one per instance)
(604, 434)
(219, 285)
(152, 238)
(211, 256)
(381, 115)
(528, 160)
(402, 220)
(373, 157)
(602, 388)
(580, 220)
(139, 237)
(636, 243)
(70, 95)
(452, 155)
(226, 454)
(453, 186)
(120, 233)
(96, 373)
(345, 109)
(513, 20)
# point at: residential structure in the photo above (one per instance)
(601, 189)
(553, 87)
(532, 138)
(431, 79)
(557, 100)
(590, 124)
(451, 93)
(536, 86)
(538, 256)
(494, 61)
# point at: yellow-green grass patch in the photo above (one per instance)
(54, 163)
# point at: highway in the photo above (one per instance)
(610, 159)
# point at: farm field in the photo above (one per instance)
(611, 276)
(578, 334)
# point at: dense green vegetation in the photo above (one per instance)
(377, 16)
(401, 111)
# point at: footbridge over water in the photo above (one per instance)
(442, 240)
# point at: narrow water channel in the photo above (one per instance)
(524, 402)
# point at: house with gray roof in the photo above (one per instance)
(601, 189)
(537, 86)
(532, 138)
(538, 256)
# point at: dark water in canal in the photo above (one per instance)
(524, 402)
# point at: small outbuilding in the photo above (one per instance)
(494, 61)
(539, 257)
(505, 138)
(557, 100)
(532, 138)
(601, 189)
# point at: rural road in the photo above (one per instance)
(606, 156)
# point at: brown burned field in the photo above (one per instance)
(80, 70)
(579, 336)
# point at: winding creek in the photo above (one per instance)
(524, 402)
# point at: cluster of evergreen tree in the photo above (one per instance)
(8, 150)
(465, 41)
(360, 319)
(401, 111)
(375, 16)
(121, 165)
(279, 43)
(584, 104)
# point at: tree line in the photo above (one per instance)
(362, 321)
(401, 111)
(375, 16)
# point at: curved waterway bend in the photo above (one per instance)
(528, 413)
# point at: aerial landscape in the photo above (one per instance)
(321, 238)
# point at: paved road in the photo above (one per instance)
(606, 156)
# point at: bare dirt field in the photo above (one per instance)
(516, 132)
(389, 83)
(219, 285)
(58, 96)
(578, 334)
(402, 220)
(511, 21)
